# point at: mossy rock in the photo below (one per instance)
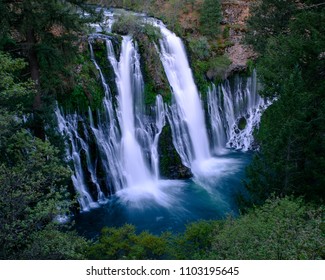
(85, 87)
(242, 123)
(154, 76)
(170, 163)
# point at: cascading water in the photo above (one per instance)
(186, 116)
(121, 133)
(107, 134)
(135, 168)
(115, 149)
(234, 113)
(219, 137)
(69, 126)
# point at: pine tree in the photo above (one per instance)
(46, 34)
(210, 17)
(33, 179)
(292, 69)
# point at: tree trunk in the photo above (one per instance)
(34, 68)
(35, 75)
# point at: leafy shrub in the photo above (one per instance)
(281, 229)
(127, 24)
(210, 17)
(124, 243)
(196, 241)
(199, 47)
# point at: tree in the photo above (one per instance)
(268, 19)
(281, 229)
(33, 179)
(210, 18)
(292, 70)
(124, 243)
(46, 34)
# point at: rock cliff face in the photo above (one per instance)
(235, 14)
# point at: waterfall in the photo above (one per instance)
(107, 134)
(114, 150)
(215, 108)
(159, 124)
(186, 113)
(68, 125)
(126, 138)
(133, 163)
(234, 113)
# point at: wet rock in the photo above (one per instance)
(171, 166)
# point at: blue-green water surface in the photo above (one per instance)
(176, 202)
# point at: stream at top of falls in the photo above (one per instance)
(115, 150)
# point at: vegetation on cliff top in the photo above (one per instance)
(198, 22)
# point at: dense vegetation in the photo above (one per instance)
(33, 179)
(37, 48)
(42, 58)
(291, 43)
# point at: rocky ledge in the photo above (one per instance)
(235, 14)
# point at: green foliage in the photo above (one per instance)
(86, 88)
(218, 67)
(152, 32)
(127, 24)
(199, 48)
(300, 49)
(32, 190)
(210, 17)
(250, 66)
(54, 244)
(213, 69)
(200, 68)
(124, 243)
(149, 94)
(280, 229)
(33, 179)
(196, 241)
(46, 34)
(268, 19)
(11, 88)
(291, 158)
(226, 32)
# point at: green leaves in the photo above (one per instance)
(124, 243)
(33, 179)
(12, 88)
(268, 19)
(280, 229)
(210, 18)
(291, 70)
(32, 191)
